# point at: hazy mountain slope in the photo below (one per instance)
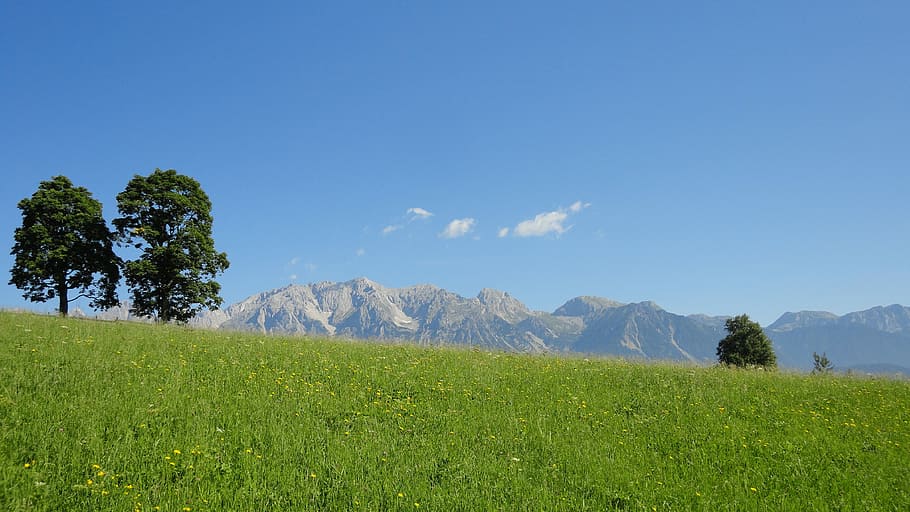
(880, 335)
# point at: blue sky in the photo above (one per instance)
(715, 157)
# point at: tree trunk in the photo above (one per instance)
(64, 305)
(163, 309)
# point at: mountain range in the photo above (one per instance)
(876, 340)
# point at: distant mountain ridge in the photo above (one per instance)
(876, 338)
(426, 314)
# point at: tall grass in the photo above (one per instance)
(116, 416)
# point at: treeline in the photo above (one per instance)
(65, 249)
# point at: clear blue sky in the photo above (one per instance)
(715, 157)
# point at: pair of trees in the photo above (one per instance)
(65, 245)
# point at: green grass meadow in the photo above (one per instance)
(118, 416)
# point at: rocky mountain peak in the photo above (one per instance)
(648, 305)
(502, 304)
(490, 295)
(894, 318)
(790, 320)
(585, 306)
(363, 284)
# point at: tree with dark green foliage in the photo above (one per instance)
(63, 245)
(168, 217)
(746, 345)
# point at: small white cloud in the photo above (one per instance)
(390, 229)
(292, 277)
(503, 232)
(418, 213)
(458, 227)
(361, 252)
(310, 267)
(542, 224)
(548, 222)
(295, 260)
(578, 206)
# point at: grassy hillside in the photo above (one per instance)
(115, 416)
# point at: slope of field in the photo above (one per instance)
(119, 416)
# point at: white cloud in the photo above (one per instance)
(542, 224)
(310, 267)
(578, 206)
(418, 213)
(411, 215)
(548, 222)
(295, 260)
(458, 227)
(503, 232)
(361, 252)
(293, 277)
(390, 229)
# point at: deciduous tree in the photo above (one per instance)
(168, 217)
(746, 344)
(64, 245)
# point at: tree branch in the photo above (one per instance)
(81, 295)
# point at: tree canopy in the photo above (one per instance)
(63, 245)
(746, 344)
(168, 217)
